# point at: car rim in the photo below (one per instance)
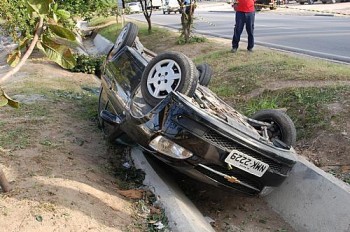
(275, 131)
(121, 37)
(164, 77)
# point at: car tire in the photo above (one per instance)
(283, 127)
(126, 37)
(111, 133)
(205, 74)
(167, 72)
(324, 2)
(302, 3)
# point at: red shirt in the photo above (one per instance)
(245, 6)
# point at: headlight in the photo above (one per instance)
(169, 148)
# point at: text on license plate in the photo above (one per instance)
(246, 163)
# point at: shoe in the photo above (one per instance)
(234, 50)
(250, 50)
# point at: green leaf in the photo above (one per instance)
(62, 32)
(55, 6)
(5, 99)
(12, 103)
(54, 17)
(23, 43)
(58, 53)
(14, 58)
(41, 7)
(63, 14)
(71, 44)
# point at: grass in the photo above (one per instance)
(100, 21)
(16, 138)
(22, 126)
(152, 41)
(306, 106)
(85, 102)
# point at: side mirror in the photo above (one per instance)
(111, 118)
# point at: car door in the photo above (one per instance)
(122, 76)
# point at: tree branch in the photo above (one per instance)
(28, 52)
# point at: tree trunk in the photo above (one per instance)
(149, 25)
(28, 52)
(4, 184)
(187, 21)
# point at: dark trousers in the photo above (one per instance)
(242, 19)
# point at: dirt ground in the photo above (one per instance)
(56, 159)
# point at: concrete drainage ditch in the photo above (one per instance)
(312, 200)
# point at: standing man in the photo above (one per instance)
(245, 15)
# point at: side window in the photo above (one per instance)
(124, 72)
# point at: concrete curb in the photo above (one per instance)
(182, 214)
(312, 200)
(102, 44)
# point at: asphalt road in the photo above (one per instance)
(320, 36)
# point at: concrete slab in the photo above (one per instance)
(182, 214)
(102, 44)
(312, 200)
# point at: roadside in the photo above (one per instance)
(64, 175)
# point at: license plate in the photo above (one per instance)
(246, 163)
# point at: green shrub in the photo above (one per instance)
(193, 39)
(88, 64)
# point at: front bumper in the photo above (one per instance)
(210, 140)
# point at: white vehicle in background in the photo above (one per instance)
(171, 6)
(134, 7)
(157, 4)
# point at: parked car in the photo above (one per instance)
(162, 104)
(156, 4)
(134, 7)
(302, 2)
(260, 4)
(171, 6)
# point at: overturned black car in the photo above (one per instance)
(161, 103)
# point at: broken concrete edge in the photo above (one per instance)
(183, 216)
(102, 44)
(312, 200)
